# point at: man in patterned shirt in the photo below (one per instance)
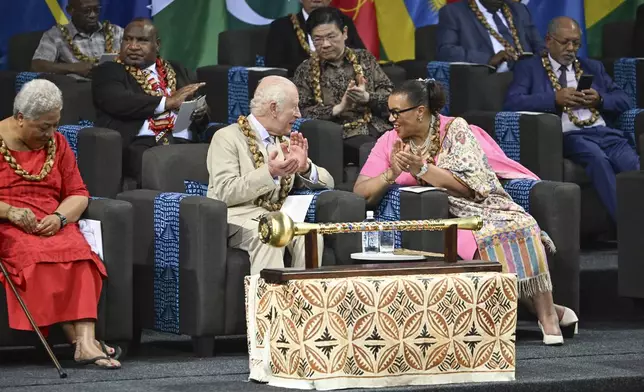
(343, 85)
(77, 47)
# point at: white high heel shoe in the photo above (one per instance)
(568, 321)
(551, 340)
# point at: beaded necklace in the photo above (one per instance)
(258, 160)
(109, 42)
(545, 60)
(317, 90)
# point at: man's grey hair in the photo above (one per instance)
(554, 24)
(269, 89)
(36, 98)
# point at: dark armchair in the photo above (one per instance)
(630, 231)
(209, 287)
(115, 306)
(244, 47)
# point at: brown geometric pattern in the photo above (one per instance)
(380, 328)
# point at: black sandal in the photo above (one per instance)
(92, 361)
(117, 350)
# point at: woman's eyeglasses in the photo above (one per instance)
(395, 113)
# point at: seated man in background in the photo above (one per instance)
(343, 85)
(138, 96)
(493, 32)
(548, 83)
(288, 44)
(75, 48)
(254, 164)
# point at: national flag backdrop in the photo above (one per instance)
(189, 29)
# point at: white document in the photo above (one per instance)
(473, 64)
(107, 57)
(259, 69)
(296, 206)
(421, 189)
(184, 118)
(91, 229)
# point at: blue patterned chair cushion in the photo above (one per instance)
(440, 71)
(71, 134)
(260, 61)
(237, 93)
(519, 191)
(506, 129)
(626, 77)
(25, 77)
(298, 123)
(195, 188)
(166, 261)
(389, 210)
(626, 123)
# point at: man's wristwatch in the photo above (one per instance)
(423, 170)
(63, 220)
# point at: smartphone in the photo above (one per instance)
(585, 82)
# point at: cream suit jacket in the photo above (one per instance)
(235, 180)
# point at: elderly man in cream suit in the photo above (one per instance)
(254, 164)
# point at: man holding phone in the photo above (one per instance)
(582, 93)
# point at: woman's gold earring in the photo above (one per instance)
(420, 119)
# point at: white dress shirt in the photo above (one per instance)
(306, 17)
(581, 113)
(151, 72)
(496, 45)
(271, 144)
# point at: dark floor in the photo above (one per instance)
(608, 354)
(602, 355)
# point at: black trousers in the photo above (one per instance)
(133, 165)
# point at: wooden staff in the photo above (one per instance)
(61, 371)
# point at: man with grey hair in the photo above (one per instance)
(254, 164)
(552, 83)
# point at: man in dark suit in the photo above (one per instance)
(548, 83)
(139, 95)
(493, 32)
(288, 44)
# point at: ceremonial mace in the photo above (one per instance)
(61, 371)
(278, 229)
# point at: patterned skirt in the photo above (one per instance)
(520, 251)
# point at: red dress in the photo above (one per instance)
(59, 277)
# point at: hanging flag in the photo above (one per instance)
(189, 29)
(398, 21)
(363, 13)
(246, 14)
(598, 13)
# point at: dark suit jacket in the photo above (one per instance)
(121, 104)
(532, 91)
(462, 38)
(283, 50)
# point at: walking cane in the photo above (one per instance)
(61, 371)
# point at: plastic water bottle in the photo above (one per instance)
(387, 241)
(370, 239)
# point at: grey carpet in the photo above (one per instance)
(603, 356)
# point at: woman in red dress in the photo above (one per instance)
(42, 196)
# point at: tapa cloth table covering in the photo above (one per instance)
(382, 331)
